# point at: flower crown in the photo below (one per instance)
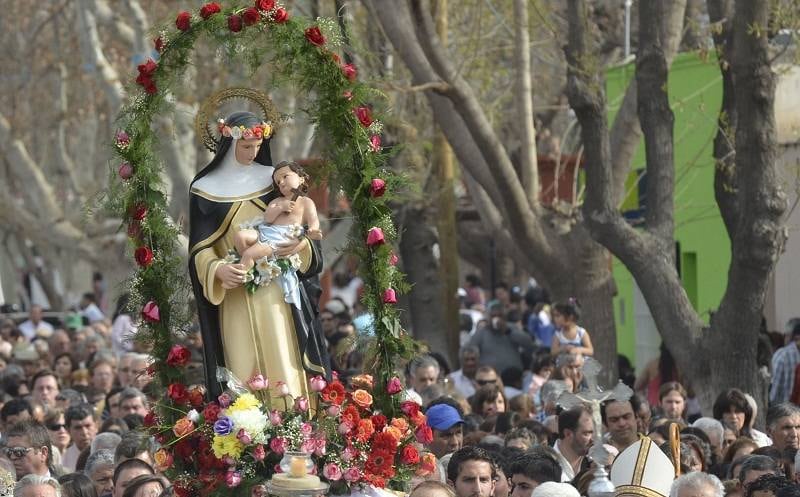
(262, 130)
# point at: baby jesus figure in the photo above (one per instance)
(284, 217)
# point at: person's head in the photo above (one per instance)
(489, 400)
(16, 410)
(102, 374)
(754, 466)
(112, 402)
(81, 424)
(134, 445)
(471, 472)
(672, 397)
(620, 420)
(124, 372)
(126, 471)
(448, 429)
(105, 441)
(36, 314)
(767, 486)
(114, 425)
(290, 177)
(64, 365)
(531, 469)
(424, 370)
(59, 342)
(77, 485)
(520, 438)
(555, 489)
(469, 356)
(57, 428)
(566, 313)
(248, 135)
(69, 397)
(37, 486)
(132, 401)
(432, 488)
(45, 388)
(713, 430)
(100, 468)
(570, 367)
(575, 430)
(486, 375)
(543, 365)
(732, 407)
(697, 484)
(28, 448)
(783, 425)
(145, 486)
(739, 448)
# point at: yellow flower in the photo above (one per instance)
(227, 445)
(244, 402)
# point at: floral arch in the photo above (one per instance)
(301, 50)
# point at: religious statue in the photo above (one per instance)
(248, 332)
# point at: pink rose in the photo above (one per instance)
(352, 474)
(306, 429)
(332, 472)
(394, 386)
(350, 72)
(307, 446)
(233, 479)
(318, 383)
(348, 454)
(282, 388)
(334, 410)
(320, 447)
(275, 417)
(375, 237)
(377, 187)
(375, 143)
(393, 259)
(244, 437)
(258, 382)
(301, 404)
(224, 400)
(278, 445)
(344, 428)
(389, 296)
(259, 453)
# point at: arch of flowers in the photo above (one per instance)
(302, 53)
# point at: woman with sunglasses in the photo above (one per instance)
(59, 435)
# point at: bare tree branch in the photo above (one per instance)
(93, 55)
(529, 174)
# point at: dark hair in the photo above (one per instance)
(733, 398)
(37, 435)
(758, 463)
(736, 445)
(634, 401)
(505, 421)
(666, 365)
(294, 166)
(131, 464)
(770, 483)
(15, 406)
(542, 361)
(78, 412)
(134, 485)
(132, 444)
(71, 360)
(465, 454)
(42, 374)
(539, 464)
(473, 279)
(109, 422)
(671, 386)
(122, 305)
(484, 394)
(568, 419)
(570, 308)
(538, 429)
(790, 491)
(134, 421)
(77, 485)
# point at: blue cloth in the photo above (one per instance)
(274, 235)
(540, 331)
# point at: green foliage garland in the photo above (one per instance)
(340, 107)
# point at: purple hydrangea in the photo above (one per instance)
(223, 425)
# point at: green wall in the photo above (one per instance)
(695, 91)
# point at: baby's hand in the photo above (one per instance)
(314, 234)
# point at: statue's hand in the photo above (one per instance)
(231, 275)
(289, 248)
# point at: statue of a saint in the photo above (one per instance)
(248, 332)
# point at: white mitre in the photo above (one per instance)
(642, 470)
(233, 181)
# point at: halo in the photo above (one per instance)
(216, 99)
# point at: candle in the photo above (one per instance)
(297, 467)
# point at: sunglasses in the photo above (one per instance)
(16, 452)
(56, 427)
(485, 382)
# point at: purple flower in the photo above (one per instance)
(223, 426)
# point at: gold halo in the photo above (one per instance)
(215, 100)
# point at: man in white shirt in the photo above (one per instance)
(35, 325)
(463, 379)
(575, 430)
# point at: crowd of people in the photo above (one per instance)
(74, 395)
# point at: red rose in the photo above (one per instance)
(143, 256)
(178, 393)
(424, 434)
(409, 408)
(265, 5)
(184, 21)
(235, 23)
(139, 212)
(378, 421)
(196, 397)
(159, 44)
(364, 116)
(148, 68)
(280, 15)
(409, 455)
(178, 356)
(350, 72)
(211, 413)
(250, 16)
(150, 419)
(314, 35)
(209, 10)
(184, 449)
